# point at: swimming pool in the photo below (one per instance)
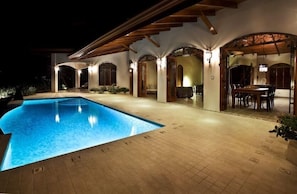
(46, 128)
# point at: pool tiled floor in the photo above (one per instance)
(197, 152)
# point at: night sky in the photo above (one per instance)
(28, 28)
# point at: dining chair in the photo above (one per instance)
(241, 98)
(268, 98)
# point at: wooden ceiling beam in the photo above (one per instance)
(127, 47)
(207, 23)
(152, 41)
(161, 26)
(276, 47)
(193, 12)
(218, 3)
(174, 20)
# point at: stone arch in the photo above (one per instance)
(252, 50)
(190, 61)
(68, 74)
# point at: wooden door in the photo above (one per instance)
(141, 79)
(294, 100)
(171, 79)
(223, 81)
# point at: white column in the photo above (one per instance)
(162, 79)
(77, 78)
(211, 93)
(56, 79)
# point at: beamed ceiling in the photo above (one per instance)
(174, 13)
(262, 44)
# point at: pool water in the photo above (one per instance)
(46, 128)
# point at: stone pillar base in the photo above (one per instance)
(291, 153)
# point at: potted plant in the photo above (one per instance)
(287, 129)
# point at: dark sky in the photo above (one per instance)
(27, 27)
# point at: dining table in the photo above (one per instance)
(254, 91)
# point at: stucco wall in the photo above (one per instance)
(120, 60)
(192, 70)
(250, 17)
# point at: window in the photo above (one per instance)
(280, 76)
(107, 74)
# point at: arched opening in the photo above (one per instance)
(147, 76)
(66, 77)
(84, 76)
(251, 61)
(185, 75)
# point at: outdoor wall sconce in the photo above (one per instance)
(208, 56)
(161, 62)
(133, 66)
(57, 69)
(92, 69)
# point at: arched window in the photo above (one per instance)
(107, 74)
(280, 76)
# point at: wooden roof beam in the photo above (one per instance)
(207, 23)
(127, 47)
(152, 41)
(219, 3)
(276, 47)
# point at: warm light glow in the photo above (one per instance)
(79, 71)
(92, 69)
(186, 81)
(57, 69)
(133, 66)
(263, 68)
(208, 56)
(161, 62)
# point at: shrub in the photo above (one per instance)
(29, 90)
(287, 127)
(124, 90)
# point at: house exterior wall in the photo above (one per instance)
(120, 60)
(250, 17)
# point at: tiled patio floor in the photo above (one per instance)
(197, 151)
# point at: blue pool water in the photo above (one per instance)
(46, 128)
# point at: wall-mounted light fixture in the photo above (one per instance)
(92, 69)
(132, 66)
(161, 62)
(57, 69)
(208, 56)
